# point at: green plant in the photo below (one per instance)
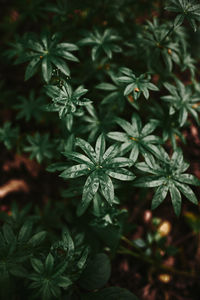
(97, 158)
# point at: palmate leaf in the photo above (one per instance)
(9, 135)
(136, 139)
(182, 100)
(16, 249)
(96, 273)
(160, 46)
(136, 85)
(29, 107)
(56, 270)
(186, 9)
(168, 175)
(102, 43)
(46, 52)
(97, 122)
(169, 124)
(99, 164)
(114, 92)
(39, 147)
(65, 101)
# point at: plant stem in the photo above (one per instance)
(167, 34)
(143, 257)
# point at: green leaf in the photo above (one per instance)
(61, 65)
(134, 152)
(126, 126)
(176, 199)
(187, 192)
(49, 263)
(37, 265)
(25, 231)
(37, 238)
(159, 197)
(75, 171)
(107, 188)
(64, 282)
(106, 86)
(178, 20)
(149, 181)
(188, 178)
(89, 190)
(32, 67)
(87, 148)
(117, 162)
(111, 152)
(78, 157)
(121, 174)
(46, 69)
(96, 273)
(100, 148)
(128, 90)
(18, 271)
(8, 234)
(118, 136)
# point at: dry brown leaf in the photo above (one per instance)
(31, 165)
(14, 185)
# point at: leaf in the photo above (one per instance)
(176, 199)
(89, 190)
(118, 136)
(37, 265)
(111, 152)
(78, 157)
(8, 234)
(64, 282)
(188, 178)
(49, 263)
(107, 188)
(118, 162)
(32, 67)
(126, 126)
(68, 243)
(159, 197)
(46, 69)
(100, 148)
(18, 271)
(96, 273)
(37, 238)
(61, 65)
(75, 171)
(178, 20)
(187, 192)
(128, 90)
(25, 231)
(121, 174)
(134, 152)
(106, 86)
(149, 181)
(87, 148)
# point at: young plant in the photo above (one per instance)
(99, 164)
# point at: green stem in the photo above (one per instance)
(143, 257)
(167, 34)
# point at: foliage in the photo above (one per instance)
(97, 155)
(168, 176)
(101, 43)
(46, 52)
(99, 165)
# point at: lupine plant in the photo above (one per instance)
(102, 159)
